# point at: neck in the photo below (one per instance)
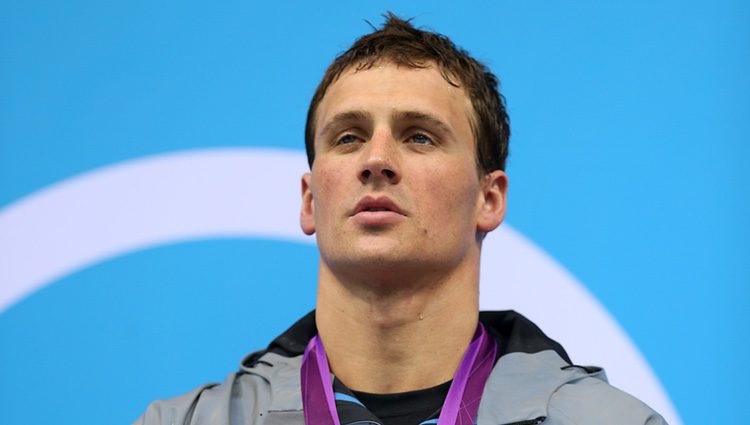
(388, 338)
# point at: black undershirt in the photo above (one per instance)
(409, 408)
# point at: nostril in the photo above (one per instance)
(378, 172)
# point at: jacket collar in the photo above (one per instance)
(513, 332)
(530, 368)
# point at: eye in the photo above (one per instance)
(347, 139)
(420, 139)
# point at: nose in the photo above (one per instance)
(380, 160)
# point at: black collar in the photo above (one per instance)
(514, 333)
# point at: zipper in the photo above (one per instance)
(536, 421)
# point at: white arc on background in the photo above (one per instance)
(252, 192)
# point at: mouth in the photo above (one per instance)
(374, 205)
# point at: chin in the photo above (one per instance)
(386, 267)
(378, 259)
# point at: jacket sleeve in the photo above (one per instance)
(174, 411)
(590, 401)
(241, 399)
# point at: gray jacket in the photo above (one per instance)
(533, 382)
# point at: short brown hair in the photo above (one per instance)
(400, 43)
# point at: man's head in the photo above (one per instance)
(394, 189)
(399, 43)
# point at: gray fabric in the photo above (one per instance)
(522, 387)
(527, 386)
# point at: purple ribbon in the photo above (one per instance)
(317, 391)
(461, 404)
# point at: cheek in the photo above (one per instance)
(327, 188)
(449, 199)
(455, 182)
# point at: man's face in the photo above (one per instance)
(395, 182)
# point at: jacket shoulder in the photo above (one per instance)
(263, 392)
(592, 401)
(177, 410)
(525, 387)
(240, 399)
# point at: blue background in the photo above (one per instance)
(627, 164)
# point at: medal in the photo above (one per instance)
(461, 404)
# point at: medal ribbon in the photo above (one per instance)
(461, 404)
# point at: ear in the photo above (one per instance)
(493, 201)
(307, 211)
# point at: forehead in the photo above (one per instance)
(391, 89)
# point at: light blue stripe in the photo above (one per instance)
(346, 397)
(429, 421)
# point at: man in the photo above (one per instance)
(406, 137)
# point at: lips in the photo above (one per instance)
(377, 212)
(376, 204)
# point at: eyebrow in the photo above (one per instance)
(422, 117)
(344, 117)
(360, 116)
